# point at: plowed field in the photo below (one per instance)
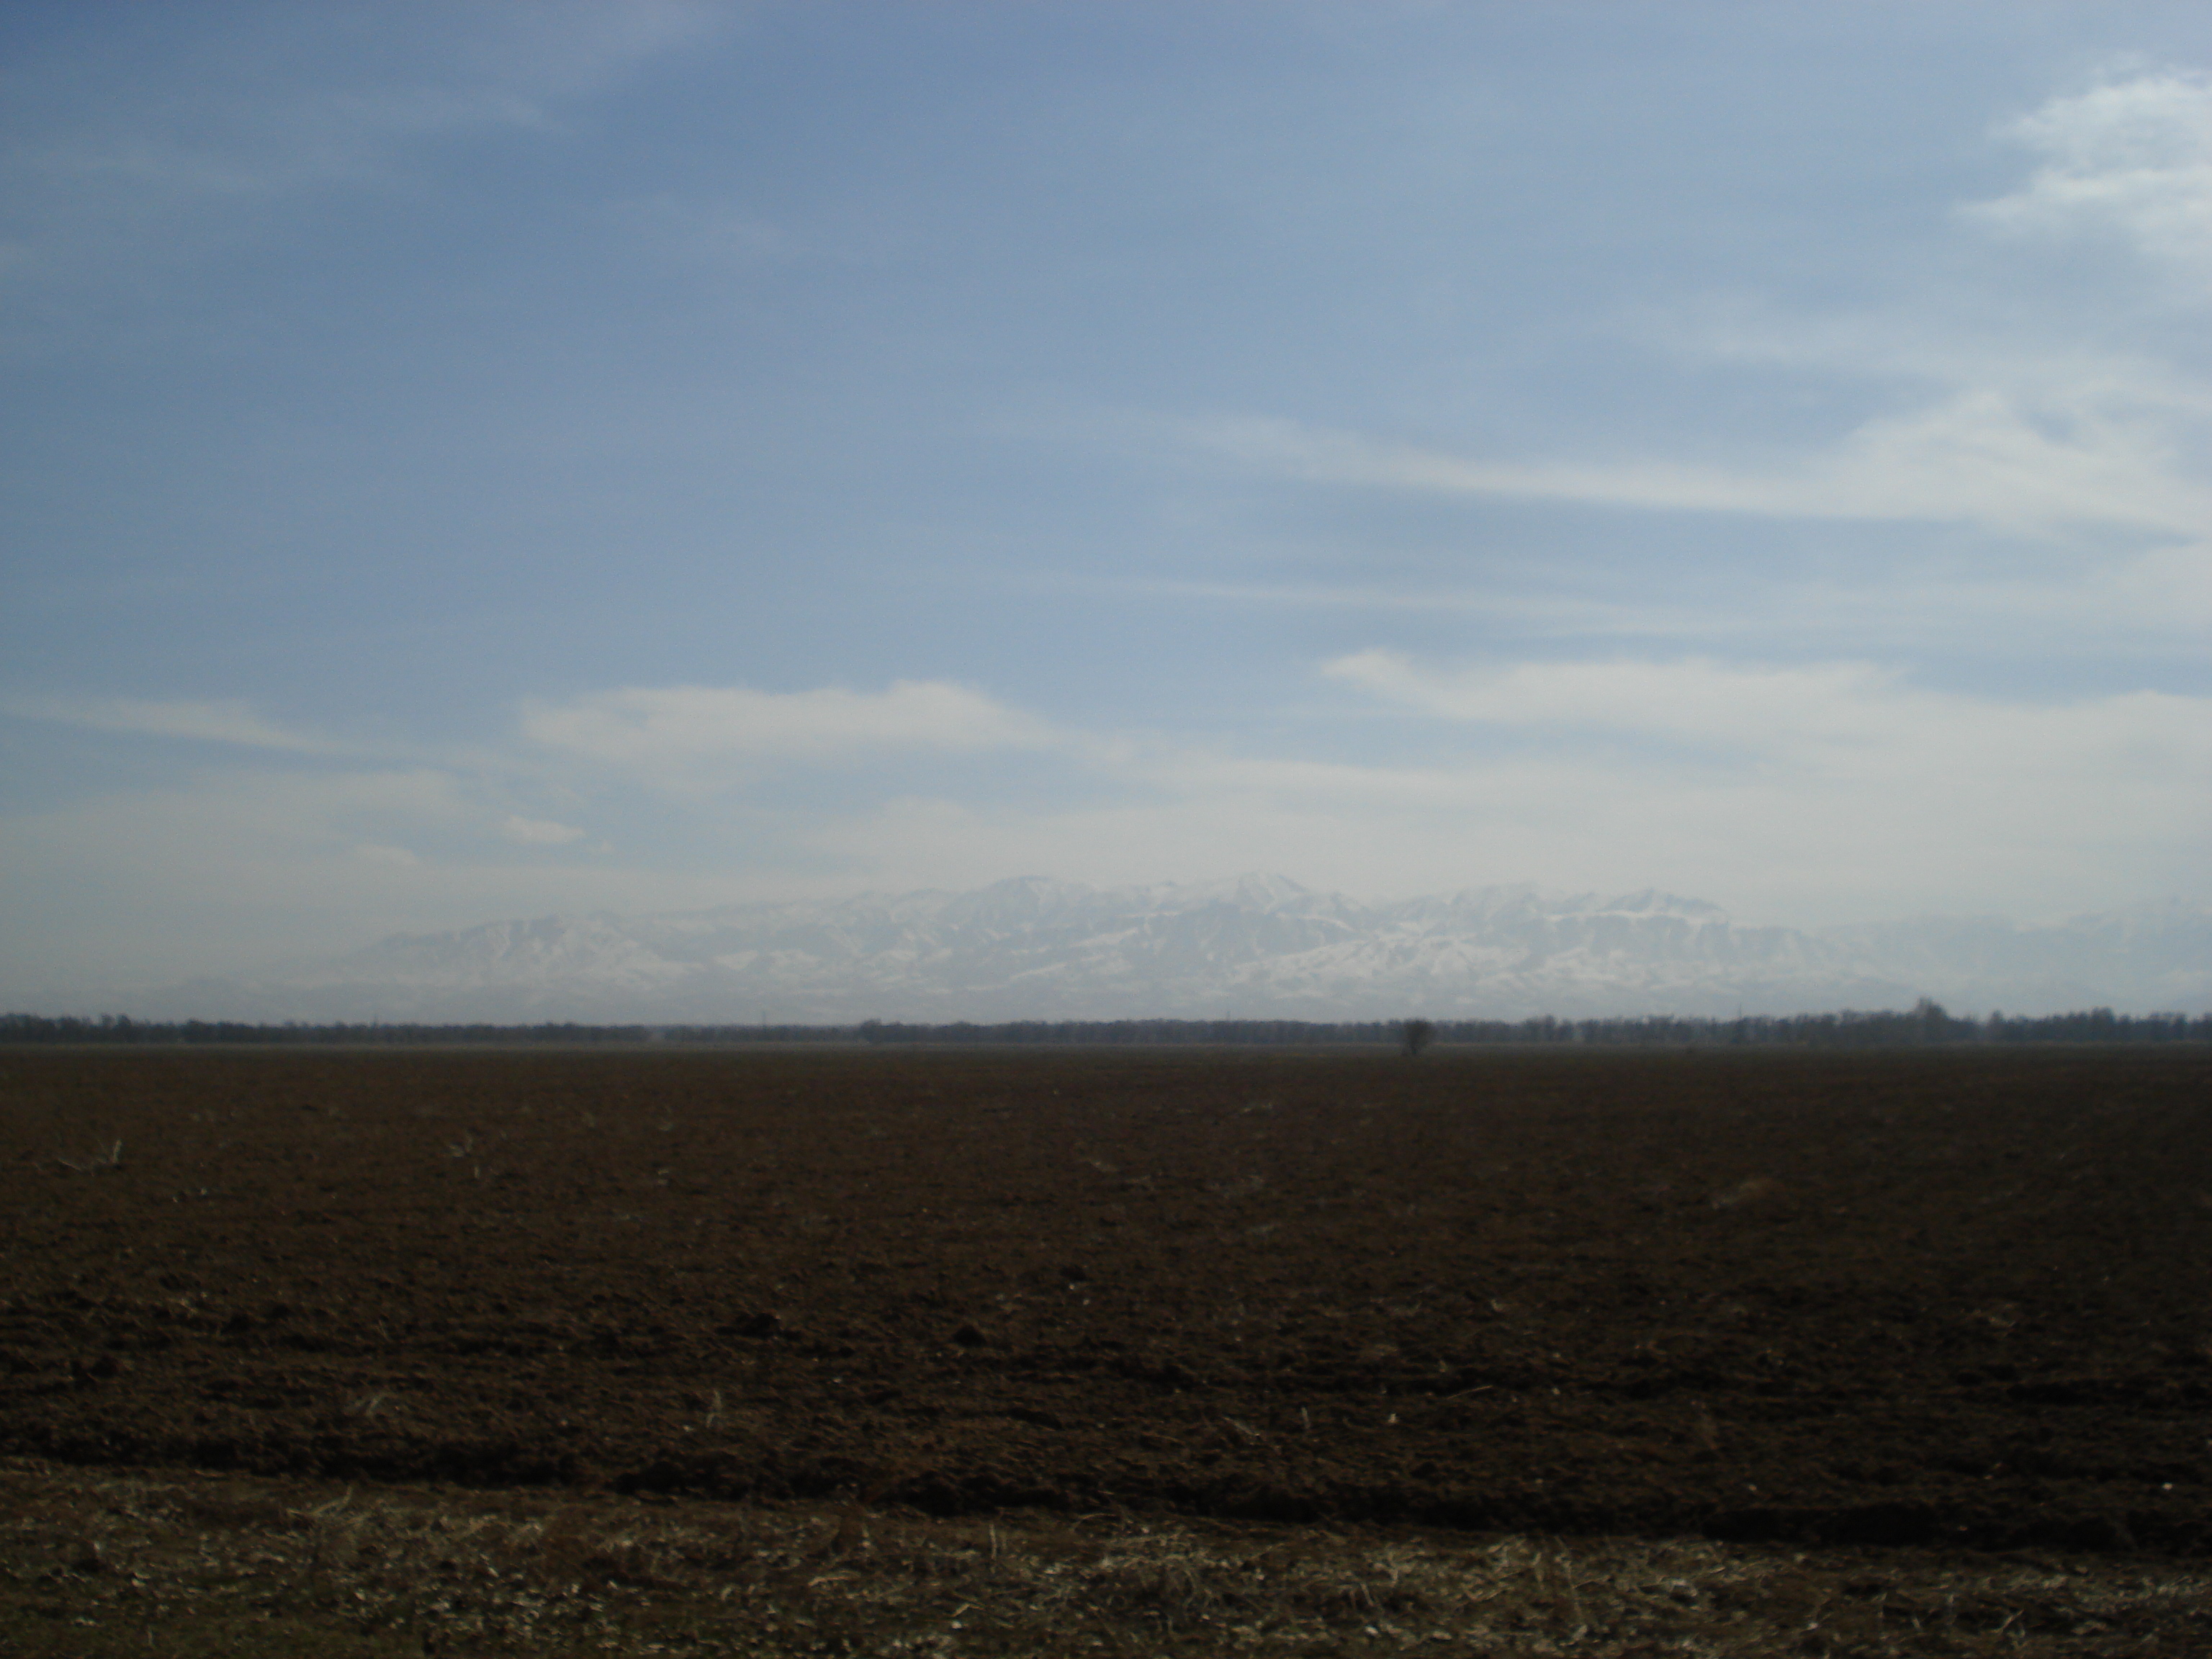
(1937, 1298)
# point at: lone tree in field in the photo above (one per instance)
(1416, 1034)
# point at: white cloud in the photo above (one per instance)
(539, 832)
(264, 130)
(1834, 791)
(2168, 585)
(2156, 601)
(673, 729)
(1695, 699)
(232, 722)
(1840, 776)
(1978, 457)
(1842, 717)
(2133, 156)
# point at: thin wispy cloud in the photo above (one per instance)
(680, 728)
(2028, 435)
(539, 832)
(278, 107)
(1977, 457)
(217, 722)
(1858, 715)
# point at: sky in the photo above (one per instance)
(470, 460)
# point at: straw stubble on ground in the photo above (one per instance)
(1909, 1302)
(109, 1563)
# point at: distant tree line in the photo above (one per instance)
(1926, 1024)
(122, 1029)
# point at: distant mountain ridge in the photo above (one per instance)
(1257, 946)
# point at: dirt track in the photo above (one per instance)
(1938, 1298)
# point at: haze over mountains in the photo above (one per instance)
(1256, 946)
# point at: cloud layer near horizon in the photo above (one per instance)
(1616, 774)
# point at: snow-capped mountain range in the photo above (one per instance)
(1255, 946)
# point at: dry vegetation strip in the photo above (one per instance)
(115, 1563)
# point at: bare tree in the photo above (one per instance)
(1417, 1034)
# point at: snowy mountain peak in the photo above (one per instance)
(1652, 903)
(1022, 901)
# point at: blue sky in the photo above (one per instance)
(471, 460)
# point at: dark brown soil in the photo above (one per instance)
(1916, 1298)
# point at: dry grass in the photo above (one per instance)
(97, 1563)
(108, 1156)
